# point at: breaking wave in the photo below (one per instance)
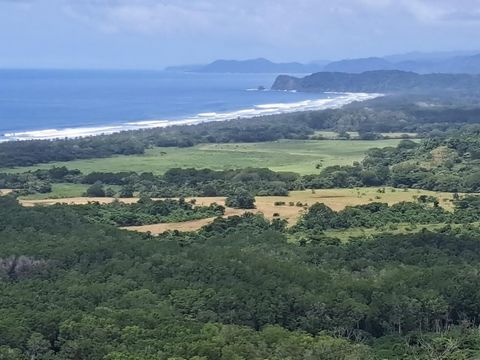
(334, 100)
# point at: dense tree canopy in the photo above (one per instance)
(146, 211)
(71, 289)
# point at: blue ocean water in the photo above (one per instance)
(33, 100)
(43, 99)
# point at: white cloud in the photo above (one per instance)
(441, 11)
(227, 15)
(151, 31)
(273, 23)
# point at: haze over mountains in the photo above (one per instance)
(421, 63)
(259, 65)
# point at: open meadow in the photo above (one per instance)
(59, 191)
(366, 233)
(63, 190)
(300, 156)
(289, 207)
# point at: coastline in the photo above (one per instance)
(338, 101)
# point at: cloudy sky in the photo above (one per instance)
(154, 33)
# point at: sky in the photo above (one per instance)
(151, 34)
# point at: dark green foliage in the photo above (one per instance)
(127, 191)
(381, 81)
(22, 153)
(206, 182)
(450, 165)
(319, 217)
(442, 163)
(146, 211)
(71, 289)
(369, 135)
(174, 183)
(241, 199)
(28, 183)
(96, 190)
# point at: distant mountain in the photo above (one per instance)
(415, 62)
(383, 81)
(435, 56)
(358, 65)
(453, 62)
(251, 66)
(460, 64)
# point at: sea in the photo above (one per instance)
(47, 104)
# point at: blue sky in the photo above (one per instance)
(149, 34)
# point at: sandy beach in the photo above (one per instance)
(335, 100)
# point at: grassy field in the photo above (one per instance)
(365, 233)
(300, 156)
(60, 191)
(355, 135)
(336, 199)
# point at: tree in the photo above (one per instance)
(343, 135)
(472, 181)
(319, 217)
(241, 199)
(109, 192)
(38, 347)
(96, 190)
(126, 191)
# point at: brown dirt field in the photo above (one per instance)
(5, 191)
(156, 229)
(337, 199)
(74, 201)
(193, 225)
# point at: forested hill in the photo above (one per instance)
(384, 81)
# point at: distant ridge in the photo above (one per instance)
(259, 65)
(383, 81)
(459, 62)
(469, 64)
(359, 65)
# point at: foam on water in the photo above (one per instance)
(259, 110)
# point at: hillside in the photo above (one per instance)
(422, 64)
(385, 81)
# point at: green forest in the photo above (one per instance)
(146, 211)
(442, 161)
(74, 286)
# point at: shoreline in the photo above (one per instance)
(259, 110)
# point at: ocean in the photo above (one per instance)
(45, 104)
